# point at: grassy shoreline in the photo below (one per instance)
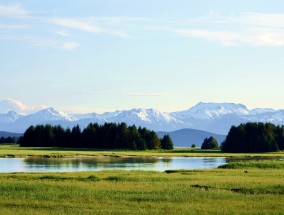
(16, 151)
(241, 187)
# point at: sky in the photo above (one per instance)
(96, 56)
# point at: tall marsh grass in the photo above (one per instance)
(229, 191)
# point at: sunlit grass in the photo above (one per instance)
(16, 151)
(230, 191)
(261, 164)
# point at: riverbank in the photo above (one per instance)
(244, 190)
(16, 151)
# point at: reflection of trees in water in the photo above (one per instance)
(211, 160)
(87, 162)
(110, 162)
(166, 160)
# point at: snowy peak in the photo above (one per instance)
(150, 118)
(146, 115)
(109, 115)
(261, 110)
(48, 114)
(218, 109)
(273, 116)
(212, 110)
(11, 116)
(219, 106)
(84, 116)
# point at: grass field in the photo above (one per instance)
(240, 187)
(16, 151)
(218, 191)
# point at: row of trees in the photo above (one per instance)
(8, 140)
(209, 143)
(254, 137)
(107, 136)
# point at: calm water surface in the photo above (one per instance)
(106, 163)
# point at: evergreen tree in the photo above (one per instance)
(28, 137)
(152, 140)
(89, 136)
(253, 137)
(68, 138)
(167, 143)
(59, 135)
(76, 136)
(209, 143)
(279, 137)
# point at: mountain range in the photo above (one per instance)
(211, 117)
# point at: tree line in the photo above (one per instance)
(254, 137)
(4, 140)
(106, 136)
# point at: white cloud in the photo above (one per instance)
(253, 29)
(252, 37)
(43, 42)
(18, 106)
(62, 33)
(262, 19)
(12, 10)
(87, 26)
(78, 25)
(223, 37)
(70, 46)
(46, 43)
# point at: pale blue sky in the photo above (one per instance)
(92, 55)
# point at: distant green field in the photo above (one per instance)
(16, 151)
(218, 191)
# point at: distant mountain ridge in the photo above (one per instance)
(211, 117)
(186, 137)
(9, 134)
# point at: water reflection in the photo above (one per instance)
(106, 163)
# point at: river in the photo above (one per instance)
(8, 165)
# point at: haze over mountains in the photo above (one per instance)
(210, 117)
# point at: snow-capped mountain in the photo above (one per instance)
(211, 117)
(11, 116)
(219, 117)
(210, 111)
(261, 110)
(150, 118)
(19, 123)
(274, 116)
(48, 114)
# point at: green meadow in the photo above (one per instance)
(252, 186)
(218, 191)
(17, 151)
